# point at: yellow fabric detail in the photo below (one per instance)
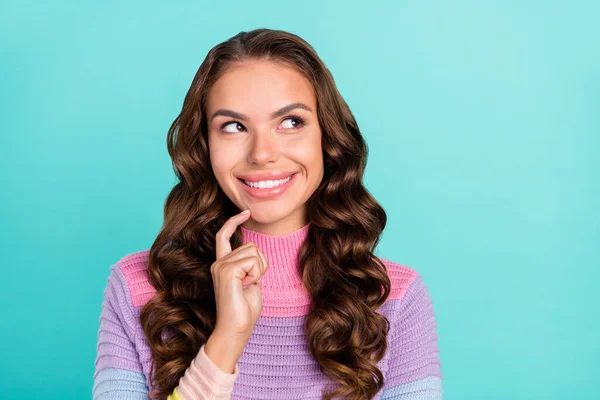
(174, 395)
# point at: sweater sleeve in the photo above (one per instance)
(414, 367)
(118, 371)
(205, 380)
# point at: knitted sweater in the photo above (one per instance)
(276, 362)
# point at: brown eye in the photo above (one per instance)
(226, 127)
(296, 122)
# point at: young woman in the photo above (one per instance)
(287, 299)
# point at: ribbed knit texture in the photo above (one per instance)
(204, 380)
(276, 362)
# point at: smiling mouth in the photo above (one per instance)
(268, 184)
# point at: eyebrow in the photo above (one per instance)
(278, 113)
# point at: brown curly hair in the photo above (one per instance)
(346, 282)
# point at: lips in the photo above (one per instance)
(290, 177)
(266, 176)
(268, 193)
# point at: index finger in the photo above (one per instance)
(223, 245)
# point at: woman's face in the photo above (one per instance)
(263, 126)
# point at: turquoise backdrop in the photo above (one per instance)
(482, 120)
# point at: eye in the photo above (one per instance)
(226, 127)
(297, 122)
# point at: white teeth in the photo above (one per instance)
(267, 184)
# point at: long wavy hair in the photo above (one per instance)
(346, 282)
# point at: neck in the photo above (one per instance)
(281, 286)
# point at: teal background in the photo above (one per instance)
(482, 120)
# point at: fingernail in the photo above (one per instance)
(245, 212)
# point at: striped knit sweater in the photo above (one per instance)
(276, 362)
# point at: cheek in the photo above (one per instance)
(220, 167)
(313, 155)
(309, 150)
(222, 157)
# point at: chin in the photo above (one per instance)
(264, 215)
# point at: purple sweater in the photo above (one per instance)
(276, 362)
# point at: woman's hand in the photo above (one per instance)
(235, 279)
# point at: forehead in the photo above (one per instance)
(257, 88)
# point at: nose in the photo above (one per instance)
(263, 148)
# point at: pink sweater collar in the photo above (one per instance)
(281, 286)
